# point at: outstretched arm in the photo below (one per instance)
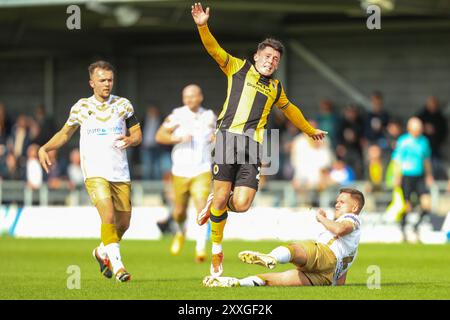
(225, 60)
(56, 142)
(296, 117)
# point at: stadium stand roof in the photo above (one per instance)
(250, 16)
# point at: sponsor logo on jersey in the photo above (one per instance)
(105, 131)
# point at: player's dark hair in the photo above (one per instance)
(101, 64)
(355, 195)
(273, 43)
(377, 94)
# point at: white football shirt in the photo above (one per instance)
(100, 124)
(189, 159)
(344, 248)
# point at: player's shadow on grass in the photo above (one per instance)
(387, 284)
(143, 280)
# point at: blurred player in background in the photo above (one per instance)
(323, 262)
(191, 129)
(108, 126)
(413, 171)
(251, 94)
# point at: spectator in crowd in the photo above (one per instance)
(328, 120)
(3, 151)
(341, 174)
(435, 128)
(20, 137)
(288, 136)
(5, 125)
(150, 150)
(393, 132)
(412, 171)
(55, 176)
(375, 167)
(350, 136)
(376, 122)
(310, 159)
(41, 126)
(34, 173)
(12, 170)
(74, 172)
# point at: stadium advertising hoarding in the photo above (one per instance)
(285, 224)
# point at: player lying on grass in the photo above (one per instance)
(322, 262)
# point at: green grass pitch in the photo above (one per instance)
(37, 269)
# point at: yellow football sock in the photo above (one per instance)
(120, 234)
(179, 219)
(109, 234)
(218, 220)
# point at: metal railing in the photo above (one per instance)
(150, 193)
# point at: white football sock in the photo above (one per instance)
(216, 248)
(253, 281)
(113, 251)
(101, 251)
(281, 254)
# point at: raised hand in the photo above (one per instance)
(320, 214)
(200, 17)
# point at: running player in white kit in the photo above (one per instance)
(190, 129)
(322, 262)
(108, 126)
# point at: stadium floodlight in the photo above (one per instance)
(125, 15)
(385, 5)
(98, 7)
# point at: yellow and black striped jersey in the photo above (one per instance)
(250, 95)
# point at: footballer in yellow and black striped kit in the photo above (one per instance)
(251, 93)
